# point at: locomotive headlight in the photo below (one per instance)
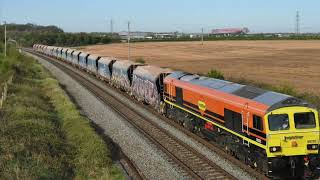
(275, 149)
(312, 146)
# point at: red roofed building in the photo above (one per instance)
(230, 31)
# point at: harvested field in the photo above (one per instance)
(294, 63)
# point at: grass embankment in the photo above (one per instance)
(42, 134)
(285, 88)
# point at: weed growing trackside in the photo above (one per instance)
(42, 134)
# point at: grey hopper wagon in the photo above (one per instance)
(92, 63)
(59, 52)
(105, 68)
(83, 60)
(75, 57)
(69, 55)
(64, 54)
(147, 84)
(122, 74)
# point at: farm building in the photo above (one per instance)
(229, 31)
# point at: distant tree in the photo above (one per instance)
(105, 40)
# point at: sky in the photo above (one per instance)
(164, 15)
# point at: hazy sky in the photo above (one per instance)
(164, 15)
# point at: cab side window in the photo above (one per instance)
(257, 122)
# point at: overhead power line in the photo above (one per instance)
(297, 23)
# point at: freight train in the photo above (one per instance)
(274, 133)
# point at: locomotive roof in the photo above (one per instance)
(272, 99)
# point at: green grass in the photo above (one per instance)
(42, 134)
(32, 143)
(92, 158)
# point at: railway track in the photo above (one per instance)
(193, 164)
(131, 169)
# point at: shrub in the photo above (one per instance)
(140, 60)
(1, 47)
(215, 74)
(287, 89)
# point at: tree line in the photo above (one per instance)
(66, 39)
(29, 34)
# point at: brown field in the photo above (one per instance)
(294, 63)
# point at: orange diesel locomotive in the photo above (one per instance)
(273, 132)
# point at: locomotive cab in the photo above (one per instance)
(293, 137)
